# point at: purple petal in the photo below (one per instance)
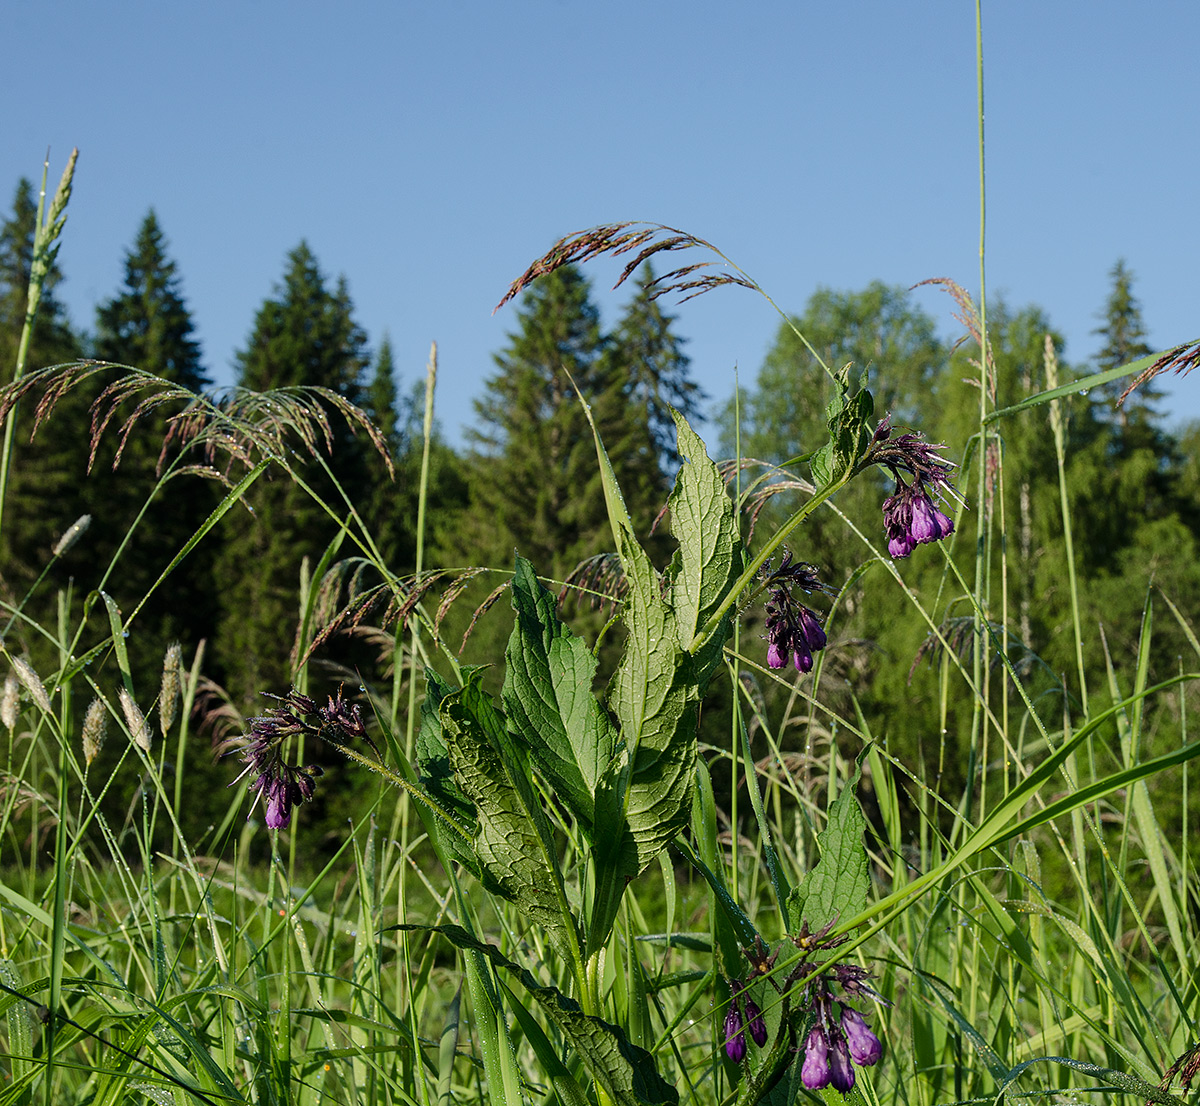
(865, 1048)
(735, 1040)
(811, 628)
(815, 1070)
(758, 1026)
(841, 1071)
(924, 527)
(775, 657)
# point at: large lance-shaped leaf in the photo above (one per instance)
(624, 1070)
(549, 701)
(836, 889)
(710, 556)
(513, 845)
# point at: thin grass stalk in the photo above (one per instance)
(46, 233)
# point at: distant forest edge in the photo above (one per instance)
(527, 481)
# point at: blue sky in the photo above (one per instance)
(429, 152)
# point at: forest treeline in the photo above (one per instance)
(527, 480)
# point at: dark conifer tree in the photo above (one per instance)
(390, 507)
(1124, 335)
(535, 484)
(147, 325)
(305, 335)
(647, 355)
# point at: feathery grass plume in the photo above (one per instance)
(621, 238)
(136, 721)
(32, 682)
(1180, 360)
(168, 695)
(10, 700)
(95, 723)
(71, 535)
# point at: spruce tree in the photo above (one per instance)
(390, 506)
(533, 456)
(147, 325)
(648, 356)
(305, 335)
(1124, 336)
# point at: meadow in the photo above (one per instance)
(656, 841)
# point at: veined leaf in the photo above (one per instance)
(837, 888)
(710, 556)
(549, 701)
(626, 1072)
(513, 843)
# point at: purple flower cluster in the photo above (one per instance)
(282, 786)
(910, 515)
(833, 1044)
(911, 519)
(793, 631)
(735, 1023)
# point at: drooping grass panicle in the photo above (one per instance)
(648, 239)
(230, 428)
(1180, 360)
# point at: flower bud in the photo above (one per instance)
(758, 1026)
(815, 1071)
(864, 1045)
(735, 1040)
(841, 1071)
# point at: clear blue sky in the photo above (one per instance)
(429, 152)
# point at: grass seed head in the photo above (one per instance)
(10, 701)
(168, 696)
(71, 535)
(33, 683)
(136, 721)
(95, 723)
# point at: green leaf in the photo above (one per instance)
(710, 557)
(513, 843)
(549, 701)
(848, 417)
(626, 1072)
(837, 888)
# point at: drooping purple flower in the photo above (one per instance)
(793, 631)
(756, 1022)
(281, 786)
(735, 1039)
(864, 1046)
(910, 518)
(841, 1071)
(814, 1072)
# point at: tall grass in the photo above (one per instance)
(1033, 934)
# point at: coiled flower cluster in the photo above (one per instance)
(282, 786)
(793, 631)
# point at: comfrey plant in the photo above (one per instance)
(510, 788)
